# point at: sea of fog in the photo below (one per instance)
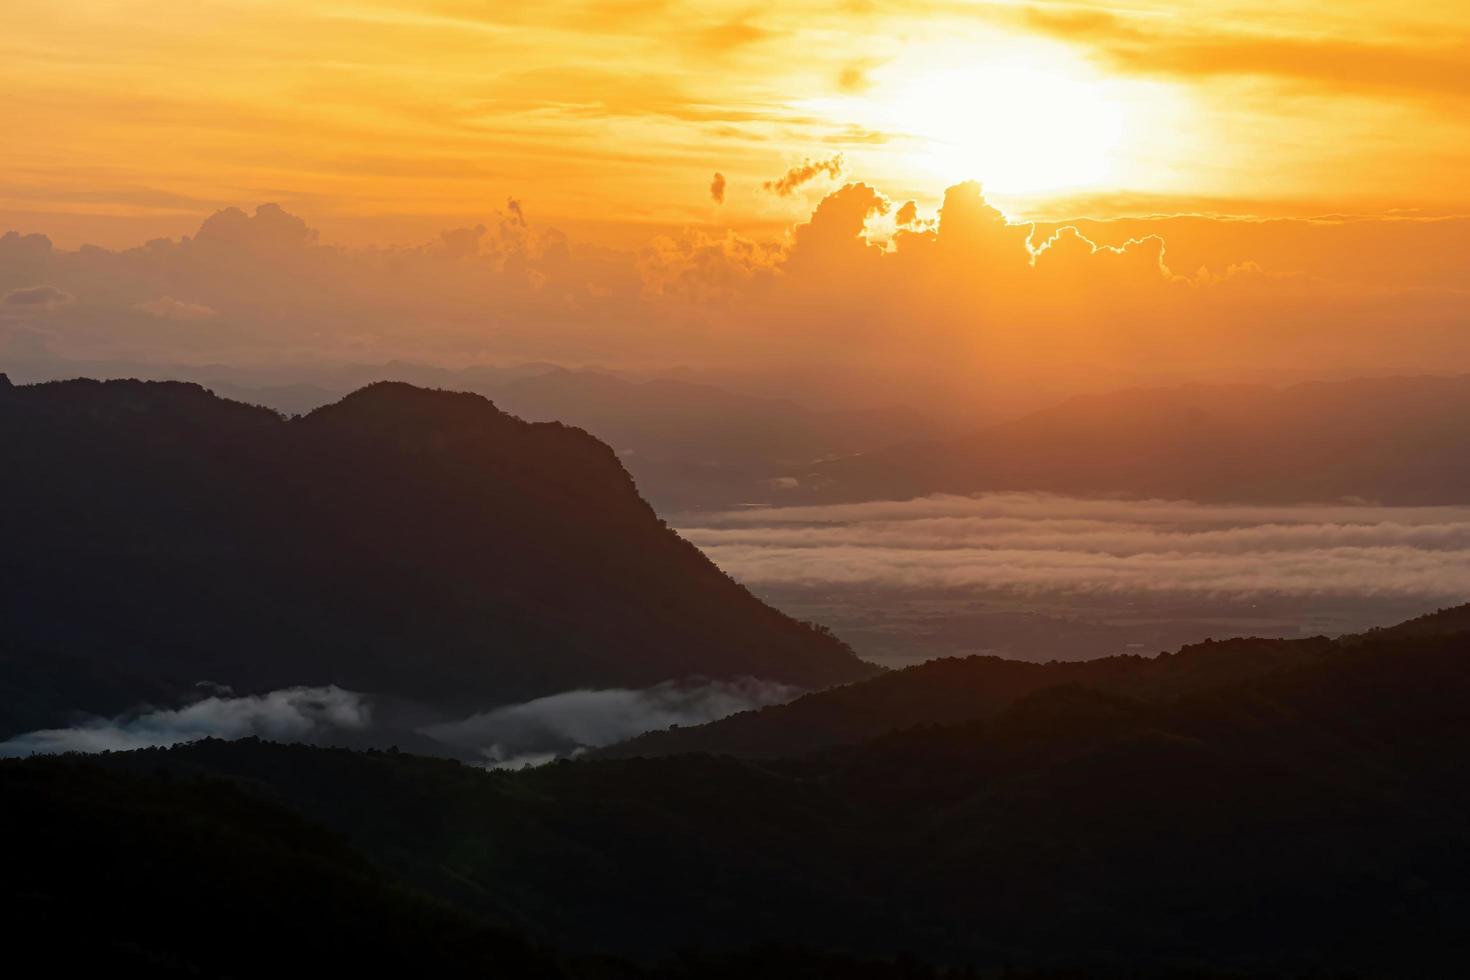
(1044, 576)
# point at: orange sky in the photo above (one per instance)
(782, 198)
(388, 120)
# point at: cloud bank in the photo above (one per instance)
(510, 736)
(567, 723)
(294, 714)
(1032, 543)
(866, 301)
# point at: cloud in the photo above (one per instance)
(1071, 255)
(1432, 69)
(853, 79)
(717, 188)
(168, 308)
(547, 728)
(271, 228)
(462, 242)
(1030, 543)
(294, 713)
(730, 36)
(707, 271)
(38, 299)
(809, 170)
(850, 306)
(563, 724)
(514, 207)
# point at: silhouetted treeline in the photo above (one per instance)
(1305, 820)
(953, 690)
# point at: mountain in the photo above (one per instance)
(696, 445)
(416, 544)
(957, 690)
(670, 419)
(1302, 820)
(953, 690)
(1441, 622)
(288, 399)
(687, 445)
(1394, 440)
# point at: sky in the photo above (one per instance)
(388, 120)
(852, 201)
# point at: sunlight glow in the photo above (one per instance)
(1017, 128)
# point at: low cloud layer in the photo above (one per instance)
(510, 736)
(1029, 543)
(291, 714)
(565, 724)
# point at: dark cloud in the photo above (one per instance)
(270, 228)
(717, 188)
(514, 207)
(36, 298)
(809, 170)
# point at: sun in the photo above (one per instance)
(1018, 128)
(1022, 125)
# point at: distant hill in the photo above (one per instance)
(950, 691)
(1441, 622)
(697, 445)
(413, 543)
(1393, 440)
(961, 690)
(1301, 820)
(665, 418)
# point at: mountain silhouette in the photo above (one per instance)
(956, 690)
(1393, 440)
(405, 542)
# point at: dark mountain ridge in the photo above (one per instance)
(958, 690)
(414, 543)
